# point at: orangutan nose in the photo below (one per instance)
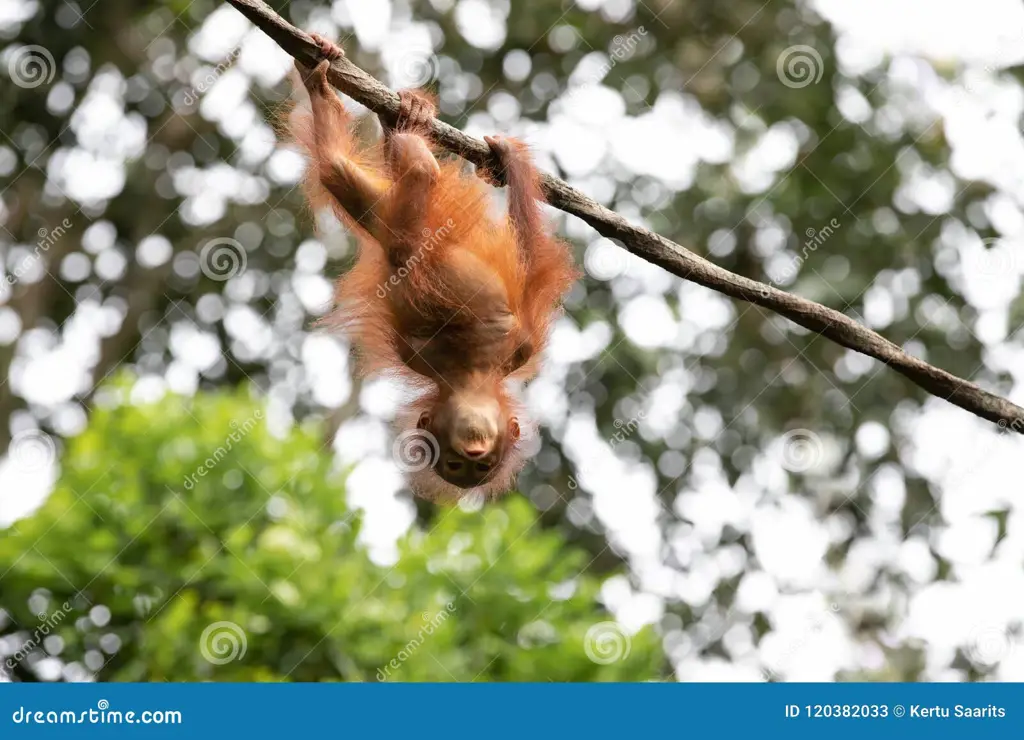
(473, 450)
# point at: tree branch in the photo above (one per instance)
(652, 247)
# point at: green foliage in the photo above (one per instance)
(181, 514)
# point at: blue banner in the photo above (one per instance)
(517, 711)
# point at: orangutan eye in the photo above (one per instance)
(453, 466)
(483, 467)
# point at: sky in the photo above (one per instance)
(588, 128)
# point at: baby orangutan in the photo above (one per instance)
(442, 295)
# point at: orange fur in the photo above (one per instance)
(456, 228)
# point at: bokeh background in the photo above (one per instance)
(195, 486)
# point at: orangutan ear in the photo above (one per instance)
(513, 428)
(424, 421)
